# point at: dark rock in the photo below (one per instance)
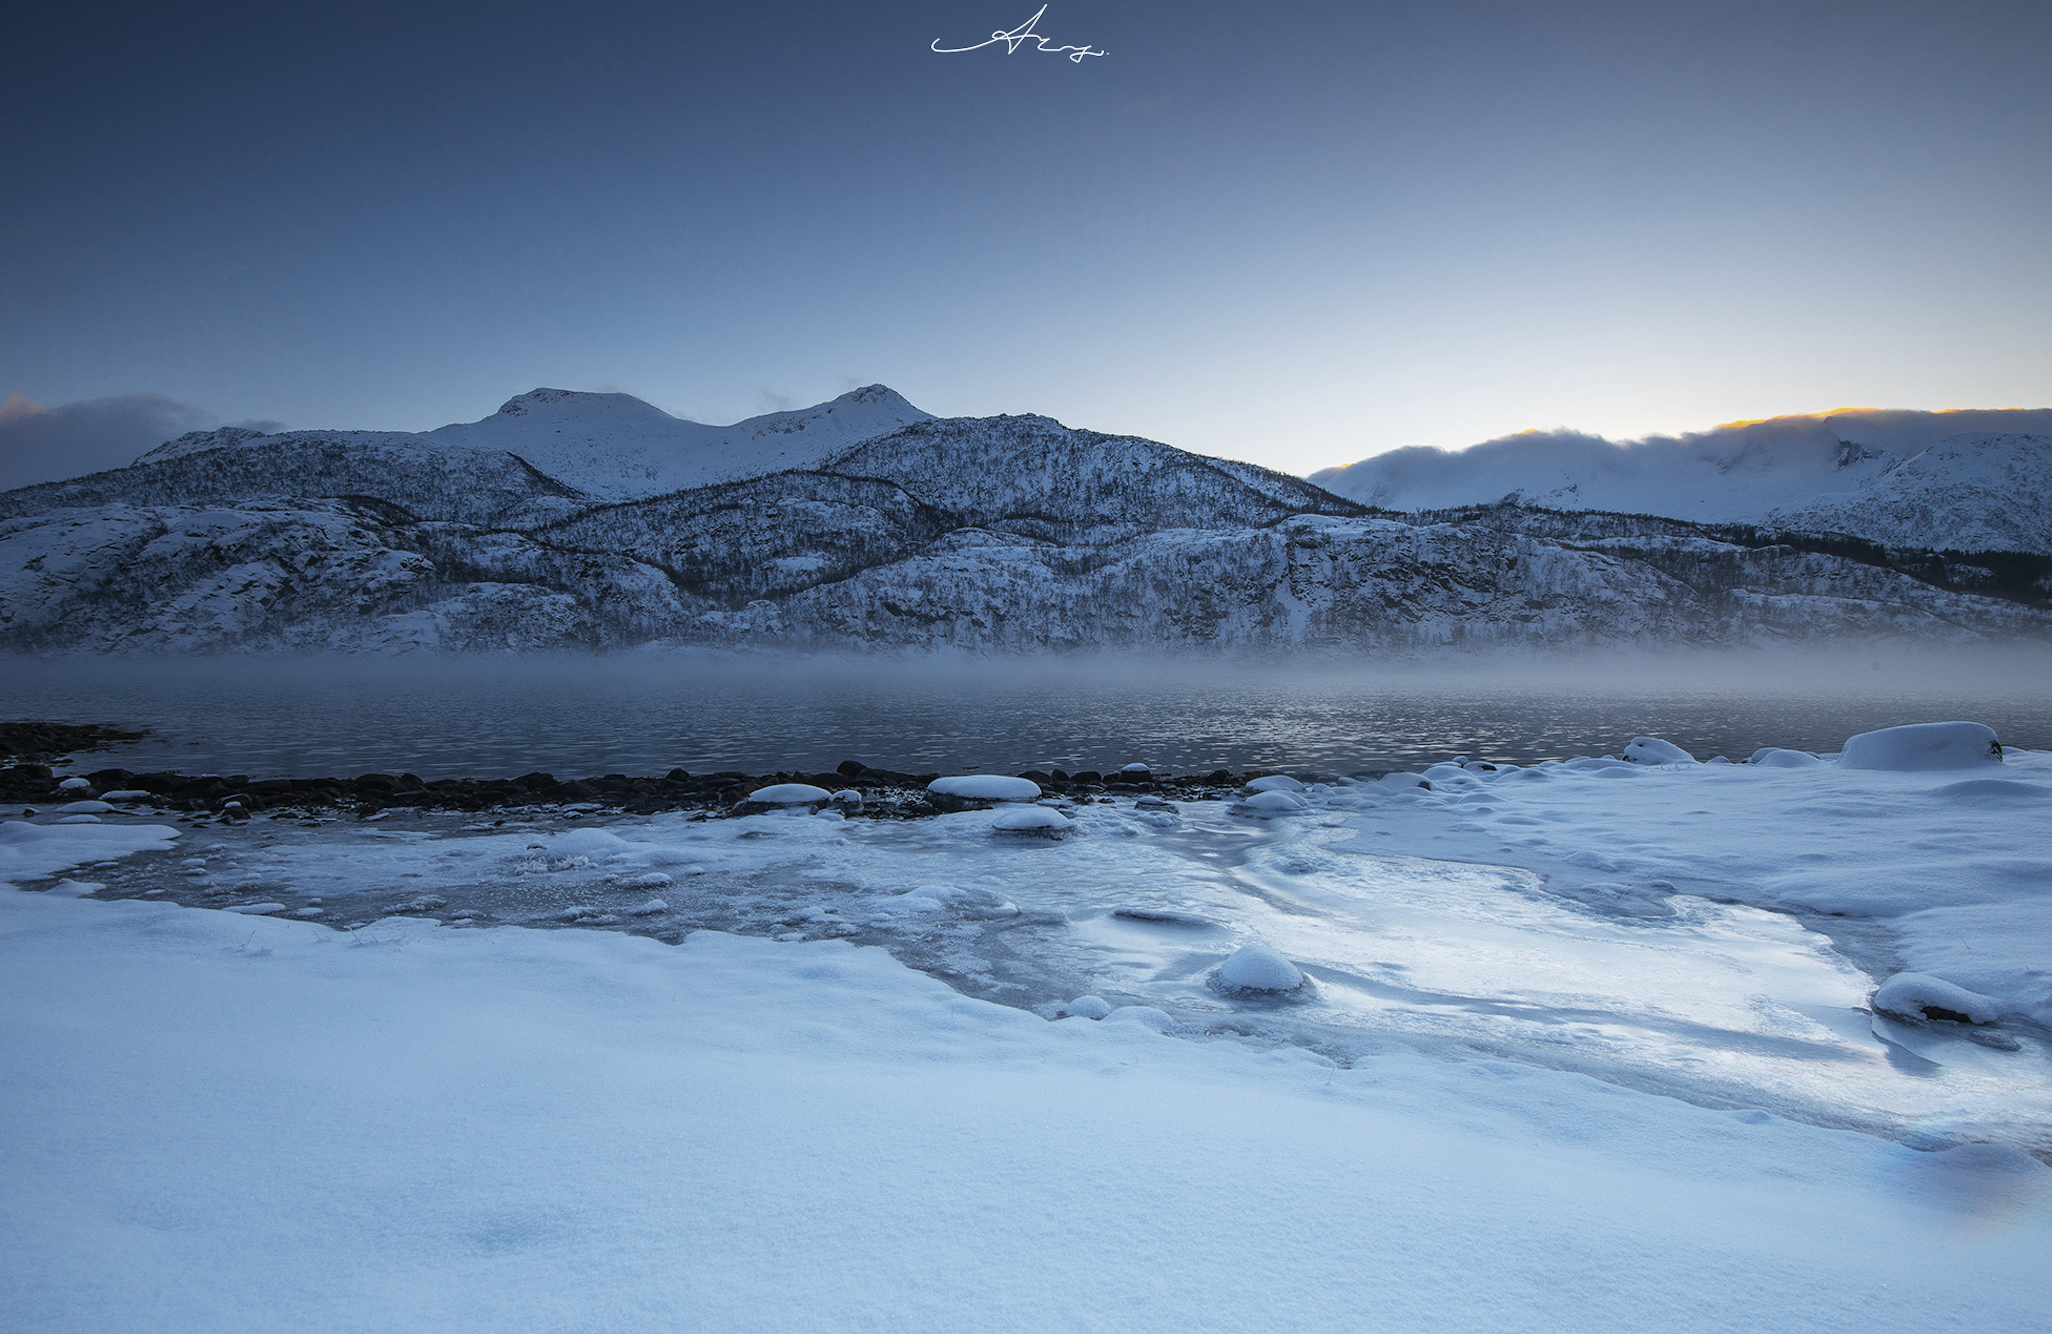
(851, 768)
(1087, 776)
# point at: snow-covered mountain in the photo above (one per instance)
(604, 447)
(1004, 533)
(1970, 480)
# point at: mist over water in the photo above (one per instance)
(638, 714)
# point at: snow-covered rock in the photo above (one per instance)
(1274, 783)
(1776, 757)
(1652, 750)
(1089, 1007)
(1266, 804)
(985, 787)
(84, 808)
(1256, 967)
(1033, 820)
(1920, 746)
(788, 794)
(1922, 996)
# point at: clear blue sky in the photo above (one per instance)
(1292, 233)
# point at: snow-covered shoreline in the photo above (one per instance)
(234, 1121)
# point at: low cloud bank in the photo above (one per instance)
(40, 443)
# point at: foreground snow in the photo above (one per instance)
(223, 1122)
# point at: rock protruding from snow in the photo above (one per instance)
(1775, 757)
(985, 787)
(1089, 1007)
(1259, 968)
(1652, 750)
(788, 794)
(1922, 746)
(1922, 996)
(1265, 805)
(1275, 783)
(1033, 820)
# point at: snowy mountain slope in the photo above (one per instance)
(361, 576)
(995, 534)
(1965, 493)
(542, 456)
(1036, 475)
(232, 466)
(1745, 472)
(616, 447)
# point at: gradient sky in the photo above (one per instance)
(1295, 233)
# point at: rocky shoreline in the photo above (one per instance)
(880, 793)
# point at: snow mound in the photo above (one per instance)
(1275, 783)
(848, 797)
(84, 819)
(986, 787)
(1403, 780)
(1147, 1016)
(1259, 968)
(84, 808)
(651, 908)
(126, 795)
(1089, 1007)
(1774, 757)
(1135, 770)
(788, 794)
(653, 880)
(1033, 820)
(74, 785)
(1922, 746)
(1922, 996)
(1652, 750)
(1266, 805)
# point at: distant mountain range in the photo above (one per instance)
(1970, 481)
(595, 520)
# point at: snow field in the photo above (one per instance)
(230, 1124)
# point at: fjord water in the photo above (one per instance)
(641, 714)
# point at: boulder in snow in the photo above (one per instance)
(1259, 968)
(1923, 746)
(1039, 821)
(1267, 805)
(1089, 1007)
(985, 787)
(1774, 757)
(1652, 750)
(787, 794)
(1275, 783)
(1922, 996)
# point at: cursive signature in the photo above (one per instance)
(1023, 33)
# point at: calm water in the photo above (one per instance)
(444, 718)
